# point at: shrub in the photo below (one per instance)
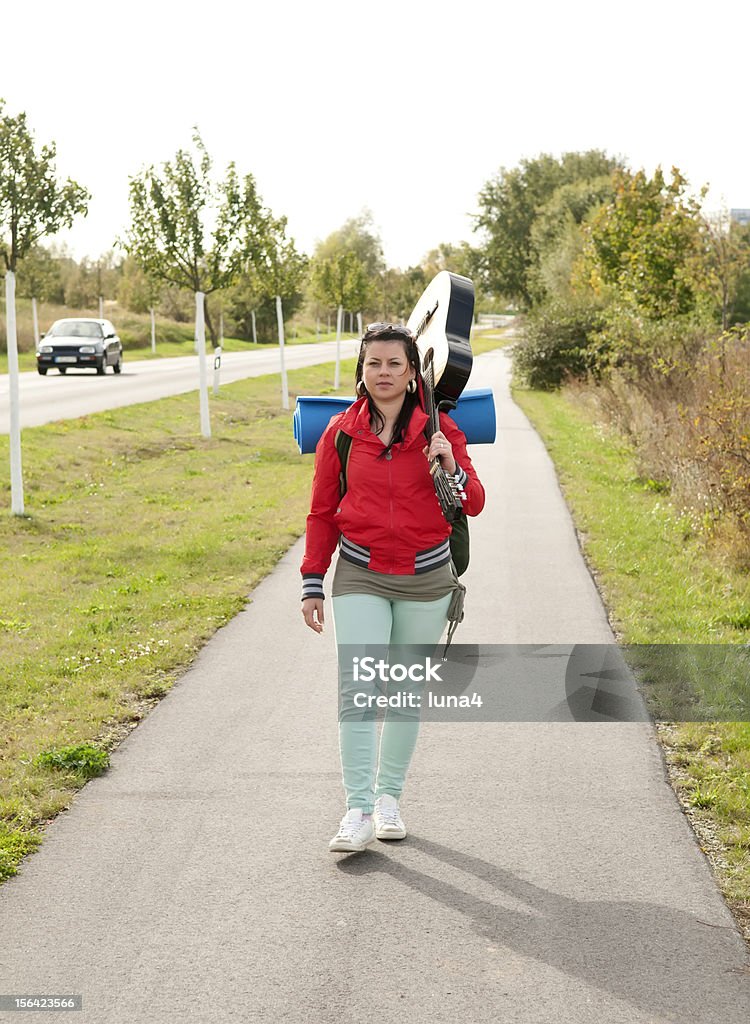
(644, 349)
(559, 340)
(689, 421)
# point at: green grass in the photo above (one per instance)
(662, 584)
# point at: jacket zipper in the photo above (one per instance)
(390, 504)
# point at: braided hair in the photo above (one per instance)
(390, 332)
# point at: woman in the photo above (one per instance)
(393, 582)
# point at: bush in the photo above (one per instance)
(559, 340)
(642, 348)
(689, 421)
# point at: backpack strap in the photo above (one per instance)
(343, 443)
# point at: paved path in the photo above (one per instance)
(81, 392)
(549, 874)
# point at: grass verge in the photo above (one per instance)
(662, 584)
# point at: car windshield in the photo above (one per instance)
(75, 329)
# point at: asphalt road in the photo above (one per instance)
(549, 875)
(80, 392)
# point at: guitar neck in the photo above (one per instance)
(428, 377)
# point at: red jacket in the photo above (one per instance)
(390, 519)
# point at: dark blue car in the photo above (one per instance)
(80, 342)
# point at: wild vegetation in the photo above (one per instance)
(631, 292)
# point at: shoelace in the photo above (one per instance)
(349, 829)
(388, 813)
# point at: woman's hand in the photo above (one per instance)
(312, 612)
(440, 447)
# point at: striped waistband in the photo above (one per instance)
(424, 561)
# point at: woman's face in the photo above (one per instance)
(386, 371)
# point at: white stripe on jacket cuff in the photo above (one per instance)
(312, 585)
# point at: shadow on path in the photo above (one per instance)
(638, 952)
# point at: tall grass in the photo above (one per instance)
(689, 423)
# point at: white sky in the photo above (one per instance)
(405, 108)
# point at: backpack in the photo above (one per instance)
(459, 539)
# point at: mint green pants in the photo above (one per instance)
(361, 619)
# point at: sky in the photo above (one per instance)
(404, 109)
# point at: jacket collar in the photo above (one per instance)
(357, 417)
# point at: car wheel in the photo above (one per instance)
(100, 367)
(42, 370)
(117, 367)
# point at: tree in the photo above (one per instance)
(135, 290)
(357, 240)
(647, 246)
(33, 204)
(245, 298)
(357, 236)
(728, 261)
(447, 256)
(341, 280)
(39, 275)
(557, 235)
(280, 271)
(91, 279)
(169, 234)
(399, 291)
(510, 204)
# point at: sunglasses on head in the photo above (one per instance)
(391, 330)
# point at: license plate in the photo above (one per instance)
(66, 359)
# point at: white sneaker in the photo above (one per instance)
(354, 835)
(386, 818)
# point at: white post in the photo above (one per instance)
(339, 318)
(36, 322)
(153, 330)
(16, 474)
(217, 368)
(359, 324)
(200, 340)
(284, 386)
(255, 336)
(101, 308)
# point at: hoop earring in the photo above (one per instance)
(411, 387)
(361, 388)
